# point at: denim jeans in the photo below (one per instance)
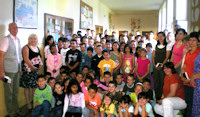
(41, 109)
(189, 99)
(74, 111)
(105, 115)
(56, 111)
(87, 112)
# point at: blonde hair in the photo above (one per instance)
(32, 36)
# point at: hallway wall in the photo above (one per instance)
(63, 8)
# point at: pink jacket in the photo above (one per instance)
(54, 62)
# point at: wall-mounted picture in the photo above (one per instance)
(26, 13)
(86, 16)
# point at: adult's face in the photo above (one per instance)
(13, 29)
(193, 42)
(33, 40)
(179, 36)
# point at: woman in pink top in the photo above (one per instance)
(128, 63)
(54, 62)
(177, 53)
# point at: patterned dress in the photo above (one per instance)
(196, 97)
(28, 79)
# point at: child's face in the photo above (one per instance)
(106, 55)
(146, 86)
(138, 51)
(83, 48)
(149, 49)
(138, 89)
(66, 83)
(91, 43)
(108, 46)
(111, 88)
(115, 46)
(103, 41)
(130, 80)
(58, 88)
(78, 41)
(89, 53)
(73, 44)
(107, 78)
(85, 41)
(107, 100)
(87, 83)
(62, 70)
(98, 50)
(85, 71)
(47, 77)
(124, 105)
(73, 75)
(51, 41)
(74, 89)
(63, 76)
(143, 54)
(41, 83)
(52, 83)
(53, 50)
(133, 44)
(122, 48)
(92, 75)
(119, 79)
(66, 44)
(92, 93)
(79, 78)
(127, 50)
(142, 101)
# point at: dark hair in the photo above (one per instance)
(83, 38)
(106, 51)
(131, 75)
(79, 73)
(137, 48)
(60, 39)
(71, 83)
(112, 82)
(82, 44)
(186, 38)
(87, 29)
(85, 67)
(194, 35)
(91, 71)
(106, 73)
(65, 40)
(115, 42)
(93, 86)
(120, 74)
(171, 66)
(143, 95)
(146, 80)
(144, 49)
(149, 45)
(89, 78)
(103, 104)
(40, 76)
(58, 83)
(127, 45)
(180, 29)
(90, 49)
(49, 37)
(51, 46)
(165, 41)
(108, 41)
(65, 73)
(51, 78)
(64, 81)
(47, 73)
(74, 41)
(125, 99)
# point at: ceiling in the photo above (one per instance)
(132, 5)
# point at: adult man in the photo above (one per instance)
(10, 60)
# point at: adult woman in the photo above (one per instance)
(188, 67)
(116, 56)
(177, 53)
(160, 56)
(30, 65)
(173, 98)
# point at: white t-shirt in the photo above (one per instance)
(152, 41)
(149, 110)
(168, 48)
(63, 53)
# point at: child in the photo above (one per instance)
(60, 44)
(107, 108)
(74, 100)
(85, 71)
(120, 83)
(108, 45)
(103, 43)
(64, 50)
(142, 67)
(51, 82)
(107, 79)
(128, 62)
(91, 42)
(73, 57)
(65, 84)
(42, 98)
(149, 55)
(141, 43)
(79, 77)
(143, 107)
(72, 74)
(62, 69)
(49, 42)
(92, 102)
(54, 62)
(88, 58)
(59, 97)
(47, 76)
(85, 85)
(64, 75)
(106, 64)
(96, 59)
(85, 40)
(124, 109)
(138, 89)
(129, 87)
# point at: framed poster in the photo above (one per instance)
(86, 16)
(26, 13)
(58, 26)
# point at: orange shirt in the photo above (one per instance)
(95, 102)
(173, 80)
(189, 63)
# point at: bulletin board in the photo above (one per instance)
(58, 26)
(86, 16)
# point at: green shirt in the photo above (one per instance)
(133, 97)
(41, 95)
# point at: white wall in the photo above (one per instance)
(63, 8)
